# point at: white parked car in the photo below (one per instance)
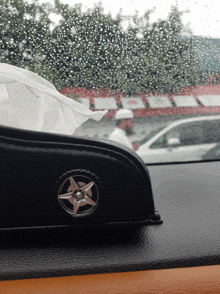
(182, 140)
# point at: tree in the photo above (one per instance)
(89, 48)
(25, 35)
(164, 62)
(93, 50)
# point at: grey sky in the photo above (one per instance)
(202, 18)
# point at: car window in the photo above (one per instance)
(187, 134)
(151, 135)
(211, 131)
(159, 60)
(191, 134)
(204, 132)
(160, 143)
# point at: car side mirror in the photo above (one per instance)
(172, 142)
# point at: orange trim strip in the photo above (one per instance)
(184, 280)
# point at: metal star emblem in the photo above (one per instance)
(78, 194)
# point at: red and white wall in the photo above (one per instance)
(189, 100)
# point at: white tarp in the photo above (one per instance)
(185, 101)
(105, 103)
(30, 102)
(132, 103)
(209, 100)
(159, 102)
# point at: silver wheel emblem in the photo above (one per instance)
(78, 195)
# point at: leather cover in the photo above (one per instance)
(37, 168)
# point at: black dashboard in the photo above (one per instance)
(187, 196)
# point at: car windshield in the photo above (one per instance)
(153, 66)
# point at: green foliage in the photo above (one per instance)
(91, 49)
(25, 35)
